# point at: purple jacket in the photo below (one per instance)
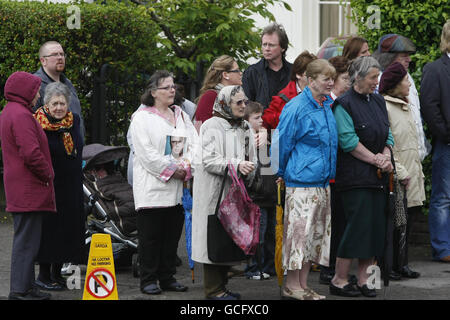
(28, 173)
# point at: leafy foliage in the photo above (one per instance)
(199, 30)
(420, 21)
(133, 37)
(110, 33)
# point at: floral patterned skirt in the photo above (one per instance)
(307, 227)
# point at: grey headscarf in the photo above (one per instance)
(222, 106)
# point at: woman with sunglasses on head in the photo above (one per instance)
(305, 146)
(224, 71)
(222, 141)
(158, 182)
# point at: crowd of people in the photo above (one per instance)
(331, 133)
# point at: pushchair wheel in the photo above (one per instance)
(135, 265)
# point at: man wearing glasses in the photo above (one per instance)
(53, 63)
(272, 73)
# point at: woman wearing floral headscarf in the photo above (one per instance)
(62, 233)
(223, 141)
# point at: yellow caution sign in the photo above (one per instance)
(100, 283)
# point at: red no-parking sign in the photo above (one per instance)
(100, 283)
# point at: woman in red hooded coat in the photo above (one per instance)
(28, 180)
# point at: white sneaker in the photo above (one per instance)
(66, 269)
(258, 276)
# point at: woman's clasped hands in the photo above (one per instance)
(383, 161)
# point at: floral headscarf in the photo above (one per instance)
(222, 106)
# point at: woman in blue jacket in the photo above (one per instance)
(306, 141)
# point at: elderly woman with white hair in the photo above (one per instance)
(62, 233)
(364, 141)
(222, 142)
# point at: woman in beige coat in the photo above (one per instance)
(394, 86)
(222, 139)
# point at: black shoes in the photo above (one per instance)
(395, 276)
(33, 294)
(49, 286)
(406, 272)
(151, 288)
(347, 291)
(174, 286)
(366, 292)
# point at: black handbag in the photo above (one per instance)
(221, 247)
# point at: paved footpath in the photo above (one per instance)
(434, 284)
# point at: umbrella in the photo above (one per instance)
(400, 222)
(388, 244)
(187, 206)
(279, 238)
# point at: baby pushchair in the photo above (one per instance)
(109, 202)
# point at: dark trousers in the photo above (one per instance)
(215, 278)
(159, 231)
(266, 250)
(401, 253)
(26, 241)
(49, 272)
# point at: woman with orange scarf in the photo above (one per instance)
(62, 233)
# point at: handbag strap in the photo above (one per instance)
(221, 190)
(392, 158)
(239, 182)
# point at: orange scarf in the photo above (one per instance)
(63, 126)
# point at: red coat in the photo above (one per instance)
(271, 115)
(28, 173)
(205, 105)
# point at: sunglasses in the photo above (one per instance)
(241, 102)
(235, 70)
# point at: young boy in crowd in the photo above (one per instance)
(263, 194)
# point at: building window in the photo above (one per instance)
(335, 19)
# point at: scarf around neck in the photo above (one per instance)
(48, 123)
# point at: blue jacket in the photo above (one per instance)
(305, 141)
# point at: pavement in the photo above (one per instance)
(434, 284)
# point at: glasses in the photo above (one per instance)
(56, 54)
(235, 70)
(240, 102)
(174, 87)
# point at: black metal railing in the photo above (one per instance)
(116, 95)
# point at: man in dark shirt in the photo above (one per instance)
(272, 73)
(53, 62)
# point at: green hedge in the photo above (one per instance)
(115, 33)
(422, 22)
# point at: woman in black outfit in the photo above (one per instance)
(62, 233)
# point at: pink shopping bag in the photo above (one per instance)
(240, 216)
